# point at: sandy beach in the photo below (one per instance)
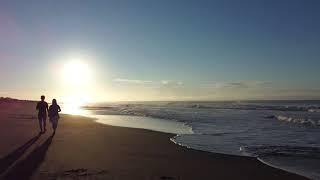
(84, 149)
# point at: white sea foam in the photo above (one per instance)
(305, 121)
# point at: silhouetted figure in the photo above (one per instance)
(54, 110)
(42, 108)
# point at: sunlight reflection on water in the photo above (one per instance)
(74, 109)
(139, 122)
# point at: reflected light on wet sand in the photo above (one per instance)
(142, 122)
(73, 104)
(73, 109)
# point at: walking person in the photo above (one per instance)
(42, 108)
(54, 110)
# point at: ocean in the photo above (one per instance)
(282, 134)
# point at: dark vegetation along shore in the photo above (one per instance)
(83, 149)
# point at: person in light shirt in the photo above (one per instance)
(54, 110)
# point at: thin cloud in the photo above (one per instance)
(168, 82)
(132, 81)
(165, 82)
(137, 81)
(239, 84)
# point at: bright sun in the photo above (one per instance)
(77, 81)
(76, 73)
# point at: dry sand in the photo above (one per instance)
(83, 149)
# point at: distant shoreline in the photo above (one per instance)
(7, 99)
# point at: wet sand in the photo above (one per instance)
(83, 149)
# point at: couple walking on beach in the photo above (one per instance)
(53, 113)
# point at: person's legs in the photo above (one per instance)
(51, 121)
(44, 122)
(57, 120)
(40, 123)
(55, 123)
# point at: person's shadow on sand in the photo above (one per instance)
(25, 168)
(8, 160)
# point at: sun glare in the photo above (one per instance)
(73, 104)
(76, 73)
(77, 85)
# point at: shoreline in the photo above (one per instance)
(84, 148)
(171, 139)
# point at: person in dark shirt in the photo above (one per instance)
(54, 110)
(42, 108)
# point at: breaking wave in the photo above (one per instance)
(305, 121)
(296, 151)
(259, 107)
(303, 160)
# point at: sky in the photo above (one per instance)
(160, 50)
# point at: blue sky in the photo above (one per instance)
(163, 50)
